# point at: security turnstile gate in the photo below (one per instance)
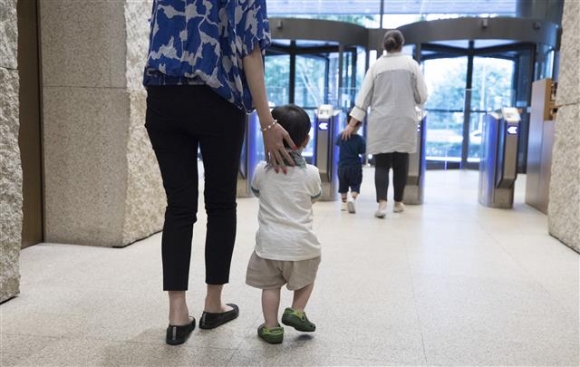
(416, 176)
(325, 157)
(498, 165)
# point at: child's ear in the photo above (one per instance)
(306, 141)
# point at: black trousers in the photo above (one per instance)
(179, 120)
(399, 162)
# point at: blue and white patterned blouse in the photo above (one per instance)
(204, 42)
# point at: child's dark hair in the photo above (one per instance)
(393, 40)
(295, 121)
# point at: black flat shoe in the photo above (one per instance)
(212, 320)
(178, 334)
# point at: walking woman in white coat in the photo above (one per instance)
(392, 88)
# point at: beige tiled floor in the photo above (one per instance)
(446, 283)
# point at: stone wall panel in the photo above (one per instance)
(85, 142)
(145, 201)
(83, 43)
(8, 35)
(10, 186)
(564, 207)
(569, 70)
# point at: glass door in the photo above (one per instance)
(310, 90)
(464, 84)
(311, 81)
(445, 79)
(277, 71)
(492, 88)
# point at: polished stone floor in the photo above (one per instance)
(447, 283)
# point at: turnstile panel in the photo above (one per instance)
(498, 164)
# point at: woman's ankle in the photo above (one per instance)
(213, 299)
(178, 311)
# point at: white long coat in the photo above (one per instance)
(392, 87)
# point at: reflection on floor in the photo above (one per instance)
(446, 283)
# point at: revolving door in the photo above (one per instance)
(474, 66)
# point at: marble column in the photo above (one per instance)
(564, 207)
(145, 200)
(10, 164)
(102, 184)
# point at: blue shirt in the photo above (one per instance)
(204, 42)
(350, 150)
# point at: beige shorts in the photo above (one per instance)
(270, 274)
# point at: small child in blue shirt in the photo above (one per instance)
(350, 168)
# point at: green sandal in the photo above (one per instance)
(273, 335)
(298, 320)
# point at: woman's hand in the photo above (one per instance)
(347, 132)
(276, 153)
(350, 128)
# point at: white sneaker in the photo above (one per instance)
(350, 206)
(343, 206)
(399, 207)
(381, 212)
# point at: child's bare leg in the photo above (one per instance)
(354, 194)
(301, 297)
(343, 197)
(296, 317)
(270, 305)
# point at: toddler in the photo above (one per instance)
(287, 251)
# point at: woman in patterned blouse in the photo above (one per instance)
(204, 72)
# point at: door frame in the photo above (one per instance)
(30, 134)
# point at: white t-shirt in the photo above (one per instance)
(286, 216)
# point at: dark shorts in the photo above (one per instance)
(349, 176)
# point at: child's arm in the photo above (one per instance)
(317, 197)
(257, 180)
(315, 184)
(255, 191)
